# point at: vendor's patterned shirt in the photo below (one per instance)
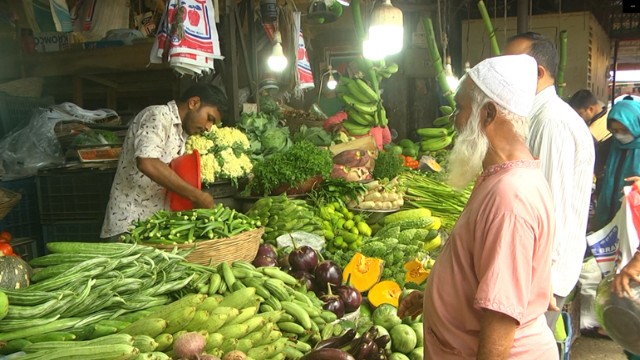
(156, 132)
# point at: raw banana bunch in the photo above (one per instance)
(441, 135)
(364, 106)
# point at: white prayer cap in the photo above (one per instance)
(509, 80)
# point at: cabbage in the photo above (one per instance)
(275, 140)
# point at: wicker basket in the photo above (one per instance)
(8, 199)
(243, 246)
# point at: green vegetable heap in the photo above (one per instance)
(265, 136)
(165, 227)
(281, 215)
(290, 168)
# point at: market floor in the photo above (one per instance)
(585, 348)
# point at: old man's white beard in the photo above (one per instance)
(467, 155)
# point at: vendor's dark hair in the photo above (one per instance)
(209, 95)
(582, 99)
(542, 50)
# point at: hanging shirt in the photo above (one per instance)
(561, 140)
(498, 257)
(156, 132)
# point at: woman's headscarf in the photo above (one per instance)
(626, 112)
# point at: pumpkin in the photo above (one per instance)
(416, 273)
(15, 273)
(384, 292)
(363, 272)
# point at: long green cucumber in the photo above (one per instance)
(58, 325)
(199, 321)
(145, 343)
(179, 319)
(52, 336)
(112, 352)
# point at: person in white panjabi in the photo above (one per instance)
(562, 142)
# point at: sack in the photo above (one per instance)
(615, 244)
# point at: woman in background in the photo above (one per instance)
(623, 161)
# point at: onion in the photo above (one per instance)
(209, 357)
(235, 355)
(189, 346)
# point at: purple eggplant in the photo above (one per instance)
(333, 303)
(267, 250)
(305, 278)
(303, 258)
(328, 354)
(337, 341)
(263, 260)
(328, 272)
(350, 297)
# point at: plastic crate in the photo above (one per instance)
(84, 231)
(26, 248)
(69, 195)
(24, 219)
(16, 111)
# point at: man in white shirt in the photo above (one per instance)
(155, 137)
(563, 143)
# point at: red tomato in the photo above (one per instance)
(6, 249)
(5, 236)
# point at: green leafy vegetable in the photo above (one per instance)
(388, 166)
(315, 135)
(292, 167)
(337, 190)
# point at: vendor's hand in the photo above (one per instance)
(629, 273)
(553, 305)
(203, 201)
(411, 305)
(635, 179)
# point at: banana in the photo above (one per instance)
(392, 68)
(258, 284)
(446, 110)
(383, 116)
(359, 106)
(442, 121)
(297, 312)
(357, 93)
(361, 118)
(291, 327)
(436, 143)
(355, 129)
(432, 132)
(369, 93)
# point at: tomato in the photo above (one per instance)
(5, 236)
(6, 249)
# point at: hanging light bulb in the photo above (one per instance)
(452, 80)
(277, 61)
(372, 51)
(387, 29)
(344, 2)
(331, 83)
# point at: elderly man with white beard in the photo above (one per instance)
(487, 294)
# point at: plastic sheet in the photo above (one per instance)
(36, 145)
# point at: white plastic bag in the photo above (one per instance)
(615, 244)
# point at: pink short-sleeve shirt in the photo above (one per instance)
(498, 257)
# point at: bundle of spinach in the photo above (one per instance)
(265, 135)
(291, 167)
(337, 190)
(388, 166)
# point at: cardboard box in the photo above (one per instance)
(51, 41)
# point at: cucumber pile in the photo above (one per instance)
(280, 215)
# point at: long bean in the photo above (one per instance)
(443, 201)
